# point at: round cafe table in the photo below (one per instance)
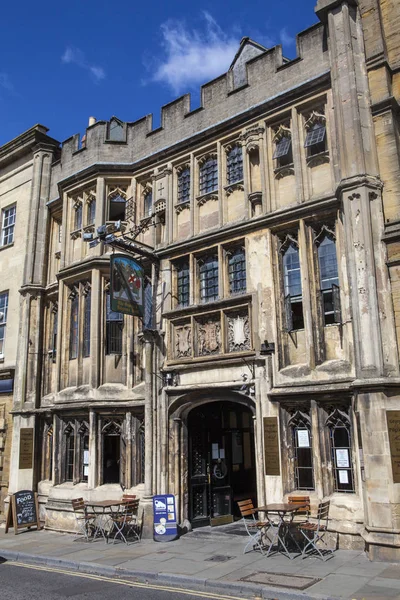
(280, 517)
(102, 509)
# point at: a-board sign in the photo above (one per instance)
(26, 448)
(271, 446)
(23, 511)
(164, 513)
(393, 424)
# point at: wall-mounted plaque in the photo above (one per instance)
(26, 448)
(271, 446)
(393, 423)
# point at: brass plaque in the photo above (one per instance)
(26, 448)
(393, 423)
(271, 446)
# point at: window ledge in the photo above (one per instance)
(180, 206)
(284, 171)
(76, 234)
(318, 159)
(234, 300)
(233, 187)
(206, 197)
(7, 246)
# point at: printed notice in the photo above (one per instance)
(303, 438)
(214, 450)
(342, 458)
(343, 477)
(393, 423)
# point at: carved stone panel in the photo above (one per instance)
(238, 332)
(209, 337)
(183, 341)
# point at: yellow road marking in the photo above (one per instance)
(125, 582)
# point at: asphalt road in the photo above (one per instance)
(22, 582)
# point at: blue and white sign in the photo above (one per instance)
(164, 512)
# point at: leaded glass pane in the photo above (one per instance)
(209, 176)
(291, 272)
(235, 165)
(315, 135)
(78, 217)
(209, 279)
(114, 327)
(184, 185)
(91, 212)
(237, 271)
(282, 147)
(182, 274)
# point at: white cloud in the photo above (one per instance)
(194, 56)
(5, 82)
(286, 38)
(75, 56)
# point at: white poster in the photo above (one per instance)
(86, 471)
(215, 454)
(222, 453)
(342, 458)
(303, 438)
(343, 477)
(86, 457)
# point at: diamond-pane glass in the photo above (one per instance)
(235, 164)
(209, 279)
(316, 135)
(209, 176)
(184, 185)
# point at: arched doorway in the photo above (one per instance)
(221, 461)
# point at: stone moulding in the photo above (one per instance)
(206, 197)
(182, 206)
(255, 198)
(281, 172)
(233, 187)
(318, 159)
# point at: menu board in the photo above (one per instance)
(165, 518)
(26, 448)
(393, 424)
(271, 446)
(23, 511)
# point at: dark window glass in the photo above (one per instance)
(114, 327)
(78, 217)
(91, 212)
(237, 271)
(182, 274)
(328, 269)
(85, 456)
(116, 131)
(54, 337)
(292, 288)
(209, 279)
(340, 436)
(283, 152)
(303, 457)
(73, 332)
(235, 164)
(86, 325)
(209, 176)
(316, 139)
(70, 451)
(117, 208)
(148, 203)
(184, 185)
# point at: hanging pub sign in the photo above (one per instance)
(126, 285)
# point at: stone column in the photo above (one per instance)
(148, 424)
(92, 477)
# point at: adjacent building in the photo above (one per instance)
(267, 363)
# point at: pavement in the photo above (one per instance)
(211, 560)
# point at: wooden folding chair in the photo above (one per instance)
(84, 520)
(254, 528)
(314, 533)
(125, 521)
(302, 515)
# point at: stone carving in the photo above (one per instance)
(203, 199)
(252, 137)
(209, 338)
(229, 189)
(238, 333)
(181, 206)
(183, 341)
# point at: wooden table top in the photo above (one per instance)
(283, 508)
(103, 503)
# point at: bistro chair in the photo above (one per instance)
(302, 515)
(84, 520)
(125, 521)
(254, 528)
(314, 533)
(128, 497)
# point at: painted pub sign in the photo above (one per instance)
(126, 285)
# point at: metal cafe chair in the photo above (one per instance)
(125, 521)
(254, 528)
(85, 521)
(314, 533)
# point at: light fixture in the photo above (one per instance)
(267, 348)
(170, 378)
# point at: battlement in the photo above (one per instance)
(267, 77)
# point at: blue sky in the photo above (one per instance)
(63, 62)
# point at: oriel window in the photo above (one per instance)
(91, 212)
(234, 164)
(86, 323)
(209, 175)
(292, 288)
(114, 328)
(303, 455)
(208, 268)
(183, 285)
(184, 185)
(78, 216)
(329, 280)
(237, 271)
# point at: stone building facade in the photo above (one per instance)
(269, 364)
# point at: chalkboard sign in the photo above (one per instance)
(23, 511)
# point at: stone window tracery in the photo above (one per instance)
(300, 424)
(234, 164)
(339, 425)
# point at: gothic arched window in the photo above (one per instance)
(292, 286)
(329, 279)
(234, 164)
(300, 424)
(339, 426)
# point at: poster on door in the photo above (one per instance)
(165, 518)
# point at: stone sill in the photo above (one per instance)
(6, 246)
